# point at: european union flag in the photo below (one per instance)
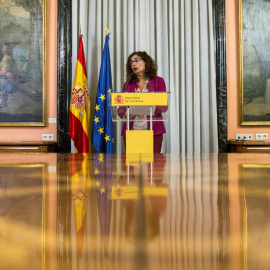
(103, 128)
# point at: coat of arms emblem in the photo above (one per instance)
(119, 192)
(80, 97)
(118, 100)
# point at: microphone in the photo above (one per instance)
(152, 88)
(129, 80)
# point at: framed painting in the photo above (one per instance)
(254, 33)
(22, 62)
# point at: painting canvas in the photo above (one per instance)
(22, 58)
(255, 61)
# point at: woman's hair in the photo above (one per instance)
(9, 49)
(150, 66)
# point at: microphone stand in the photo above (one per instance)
(152, 88)
(128, 106)
(129, 80)
(151, 108)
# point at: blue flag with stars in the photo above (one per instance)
(103, 127)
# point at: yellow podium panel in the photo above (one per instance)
(139, 141)
(139, 99)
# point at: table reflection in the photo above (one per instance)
(78, 211)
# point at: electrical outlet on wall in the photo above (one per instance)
(244, 137)
(47, 137)
(239, 137)
(262, 137)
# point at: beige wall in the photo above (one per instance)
(35, 133)
(233, 76)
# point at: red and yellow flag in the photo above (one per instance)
(79, 114)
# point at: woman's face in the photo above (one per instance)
(137, 64)
(4, 49)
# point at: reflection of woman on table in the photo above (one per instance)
(141, 76)
(7, 74)
(154, 204)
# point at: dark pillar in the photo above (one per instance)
(64, 76)
(219, 16)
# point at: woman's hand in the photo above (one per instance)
(131, 116)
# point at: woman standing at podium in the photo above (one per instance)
(141, 76)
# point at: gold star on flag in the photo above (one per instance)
(102, 97)
(96, 119)
(97, 183)
(101, 130)
(113, 140)
(101, 158)
(107, 138)
(102, 190)
(110, 90)
(96, 171)
(97, 107)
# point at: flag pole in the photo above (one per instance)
(107, 29)
(103, 126)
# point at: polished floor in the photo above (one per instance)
(75, 211)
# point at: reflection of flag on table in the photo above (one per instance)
(79, 114)
(103, 175)
(103, 128)
(80, 187)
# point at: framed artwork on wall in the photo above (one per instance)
(254, 54)
(22, 62)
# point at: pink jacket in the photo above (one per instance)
(158, 126)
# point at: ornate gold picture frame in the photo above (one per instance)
(254, 54)
(22, 62)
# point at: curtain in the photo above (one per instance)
(178, 34)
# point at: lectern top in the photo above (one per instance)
(139, 99)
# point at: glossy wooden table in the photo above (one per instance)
(72, 211)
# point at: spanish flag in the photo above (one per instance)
(79, 114)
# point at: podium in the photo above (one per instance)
(139, 103)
